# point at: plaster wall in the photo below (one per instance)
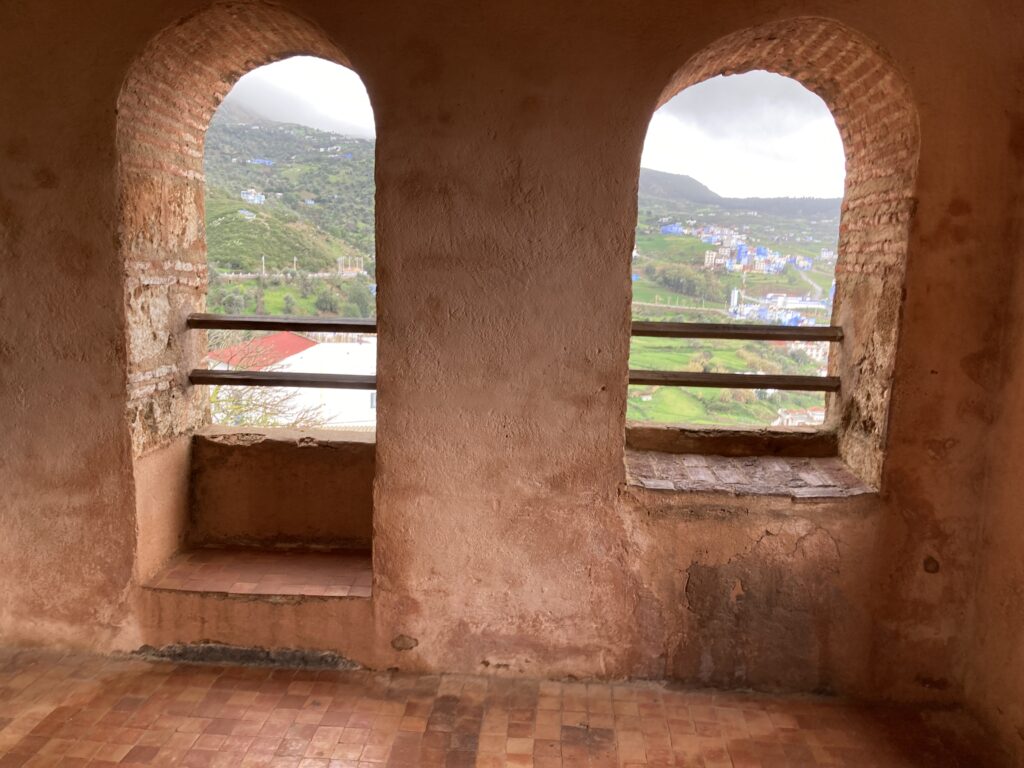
(278, 487)
(995, 674)
(509, 138)
(994, 684)
(162, 505)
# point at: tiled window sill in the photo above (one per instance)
(793, 477)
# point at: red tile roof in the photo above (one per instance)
(262, 352)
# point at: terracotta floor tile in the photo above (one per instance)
(249, 572)
(88, 711)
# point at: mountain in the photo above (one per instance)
(235, 111)
(267, 102)
(677, 188)
(318, 190)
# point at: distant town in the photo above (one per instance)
(700, 258)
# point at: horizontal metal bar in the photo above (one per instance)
(282, 323)
(640, 328)
(735, 380)
(658, 378)
(738, 331)
(281, 379)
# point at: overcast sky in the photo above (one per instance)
(751, 135)
(307, 91)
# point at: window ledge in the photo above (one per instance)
(251, 435)
(792, 477)
(733, 441)
(265, 574)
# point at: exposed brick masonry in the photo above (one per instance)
(164, 108)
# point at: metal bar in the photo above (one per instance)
(282, 379)
(738, 331)
(282, 323)
(735, 380)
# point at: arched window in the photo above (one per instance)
(289, 197)
(740, 265)
(738, 222)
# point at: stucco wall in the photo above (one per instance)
(509, 141)
(995, 673)
(281, 488)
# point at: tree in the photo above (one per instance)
(261, 308)
(359, 294)
(289, 304)
(234, 304)
(792, 278)
(263, 407)
(257, 406)
(706, 360)
(327, 302)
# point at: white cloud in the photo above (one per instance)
(332, 95)
(751, 135)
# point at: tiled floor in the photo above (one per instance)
(84, 710)
(764, 475)
(257, 572)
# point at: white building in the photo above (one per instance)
(253, 197)
(285, 351)
(806, 417)
(339, 408)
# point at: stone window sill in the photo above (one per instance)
(251, 435)
(785, 476)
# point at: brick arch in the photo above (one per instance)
(877, 119)
(165, 105)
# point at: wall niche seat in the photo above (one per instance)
(269, 573)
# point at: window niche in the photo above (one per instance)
(165, 106)
(290, 229)
(874, 111)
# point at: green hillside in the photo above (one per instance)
(677, 188)
(237, 242)
(319, 196)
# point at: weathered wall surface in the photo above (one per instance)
(995, 675)
(274, 488)
(162, 505)
(68, 543)
(168, 95)
(947, 388)
(509, 140)
(782, 609)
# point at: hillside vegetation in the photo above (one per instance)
(319, 196)
(676, 188)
